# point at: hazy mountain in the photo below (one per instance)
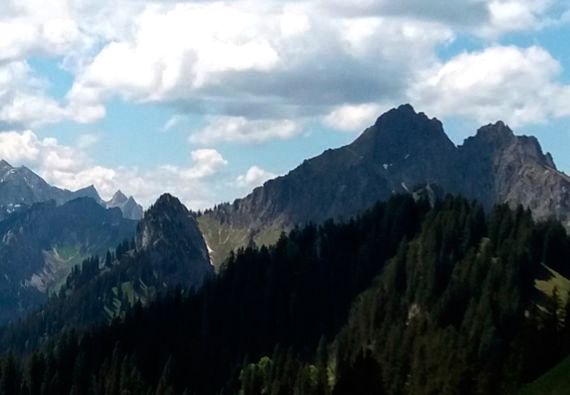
(402, 150)
(20, 188)
(128, 205)
(40, 245)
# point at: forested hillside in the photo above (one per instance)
(405, 299)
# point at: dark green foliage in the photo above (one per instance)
(402, 300)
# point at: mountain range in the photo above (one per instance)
(361, 271)
(45, 231)
(403, 150)
(20, 187)
(39, 247)
(166, 251)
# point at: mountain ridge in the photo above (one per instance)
(39, 247)
(403, 149)
(20, 188)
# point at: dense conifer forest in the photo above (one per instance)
(407, 298)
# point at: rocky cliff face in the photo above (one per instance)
(168, 236)
(402, 150)
(40, 245)
(496, 166)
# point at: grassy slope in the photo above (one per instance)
(557, 380)
(556, 281)
(60, 260)
(224, 238)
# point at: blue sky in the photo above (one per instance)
(208, 99)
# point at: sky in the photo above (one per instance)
(209, 99)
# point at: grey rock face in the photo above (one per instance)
(496, 166)
(169, 237)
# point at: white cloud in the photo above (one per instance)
(254, 177)
(243, 130)
(205, 162)
(518, 85)
(157, 65)
(22, 97)
(353, 118)
(27, 148)
(244, 58)
(254, 59)
(515, 15)
(28, 33)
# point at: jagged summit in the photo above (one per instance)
(496, 134)
(130, 208)
(119, 197)
(167, 201)
(166, 208)
(399, 132)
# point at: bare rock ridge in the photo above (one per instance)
(402, 150)
(20, 188)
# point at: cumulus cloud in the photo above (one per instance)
(254, 177)
(246, 58)
(22, 97)
(353, 118)
(255, 61)
(242, 130)
(32, 27)
(515, 15)
(518, 85)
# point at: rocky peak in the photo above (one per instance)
(168, 234)
(118, 198)
(88, 192)
(129, 207)
(499, 139)
(166, 208)
(402, 133)
(405, 122)
(495, 135)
